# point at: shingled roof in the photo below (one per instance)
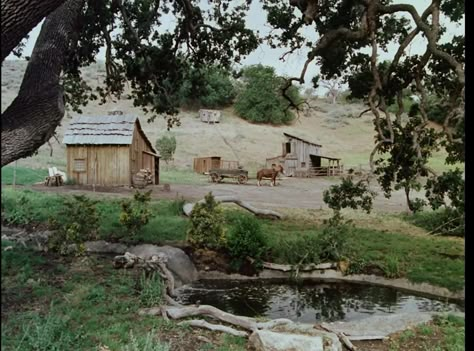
(103, 130)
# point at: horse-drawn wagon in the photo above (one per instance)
(218, 174)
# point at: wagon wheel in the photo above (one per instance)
(215, 177)
(242, 179)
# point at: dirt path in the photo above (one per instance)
(290, 193)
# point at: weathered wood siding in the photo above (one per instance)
(204, 164)
(302, 151)
(138, 158)
(103, 164)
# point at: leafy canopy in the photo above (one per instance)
(261, 99)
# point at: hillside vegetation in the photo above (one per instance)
(332, 125)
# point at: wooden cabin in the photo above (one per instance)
(108, 150)
(302, 158)
(202, 165)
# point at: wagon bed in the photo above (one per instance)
(218, 174)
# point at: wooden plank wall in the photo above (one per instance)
(138, 159)
(105, 164)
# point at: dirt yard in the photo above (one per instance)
(289, 193)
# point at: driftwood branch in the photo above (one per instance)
(215, 327)
(289, 267)
(187, 208)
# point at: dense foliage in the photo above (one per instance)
(349, 195)
(76, 223)
(246, 239)
(211, 87)
(166, 146)
(158, 61)
(207, 224)
(136, 213)
(261, 100)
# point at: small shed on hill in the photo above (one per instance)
(204, 164)
(108, 150)
(303, 158)
(210, 116)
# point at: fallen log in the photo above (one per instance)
(301, 268)
(187, 208)
(215, 327)
(344, 339)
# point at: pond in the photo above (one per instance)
(308, 302)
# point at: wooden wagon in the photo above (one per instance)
(218, 174)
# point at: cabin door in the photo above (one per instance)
(290, 166)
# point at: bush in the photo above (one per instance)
(76, 222)
(261, 99)
(207, 225)
(20, 212)
(135, 214)
(209, 88)
(246, 239)
(166, 145)
(333, 239)
(305, 249)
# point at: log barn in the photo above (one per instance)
(108, 150)
(302, 158)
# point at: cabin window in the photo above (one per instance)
(288, 148)
(79, 165)
(303, 164)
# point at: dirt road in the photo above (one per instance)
(289, 193)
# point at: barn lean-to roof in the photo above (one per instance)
(301, 139)
(103, 130)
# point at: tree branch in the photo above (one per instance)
(35, 113)
(19, 17)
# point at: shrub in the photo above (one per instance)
(18, 213)
(333, 238)
(246, 239)
(304, 249)
(166, 145)
(135, 214)
(76, 222)
(261, 99)
(209, 87)
(207, 224)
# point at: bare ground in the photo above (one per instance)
(291, 193)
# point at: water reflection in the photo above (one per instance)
(309, 302)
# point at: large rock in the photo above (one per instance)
(178, 262)
(264, 340)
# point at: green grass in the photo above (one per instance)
(431, 259)
(81, 304)
(446, 333)
(166, 224)
(175, 176)
(24, 176)
(435, 260)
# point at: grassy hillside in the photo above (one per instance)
(333, 126)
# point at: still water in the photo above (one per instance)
(308, 302)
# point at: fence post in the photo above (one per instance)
(14, 175)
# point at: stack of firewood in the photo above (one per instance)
(142, 178)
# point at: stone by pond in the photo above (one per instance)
(310, 302)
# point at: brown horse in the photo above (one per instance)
(269, 173)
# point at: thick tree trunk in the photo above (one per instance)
(33, 116)
(19, 17)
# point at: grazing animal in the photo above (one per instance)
(269, 173)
